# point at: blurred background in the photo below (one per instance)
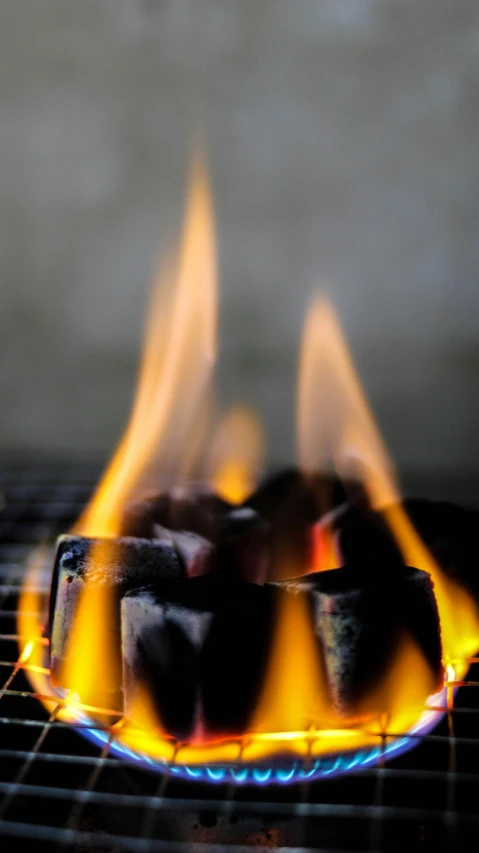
(343, 140)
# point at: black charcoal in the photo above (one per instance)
(448, 531)
(199, 648)
(451, 533)
(194, 508)
(359, 617)
(243, 551)
(121, 564)
(292, 503)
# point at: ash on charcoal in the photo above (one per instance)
(119, 564)
(359, 616)
(200, 649)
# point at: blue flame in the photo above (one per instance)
(279, 771)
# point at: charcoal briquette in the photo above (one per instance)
(200, 649)
(292, 503)
(448, 531)
(243, 550)
(195, 508)
(119, 564)
(360, 615)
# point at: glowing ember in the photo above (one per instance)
(295, 731)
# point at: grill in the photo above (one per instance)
(61, 792)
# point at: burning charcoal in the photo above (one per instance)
(288, 504)
(120, 564)
(243, 550)
(292, 503)
(161, 644)
(194, 508)
(451, 534)
(199, 649)
(448, 531)
(359, 616)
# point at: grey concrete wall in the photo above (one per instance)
(343, 137)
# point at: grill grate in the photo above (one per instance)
(63, 793)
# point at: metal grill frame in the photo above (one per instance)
(56, 789)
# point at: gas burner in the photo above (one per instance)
(280, 773)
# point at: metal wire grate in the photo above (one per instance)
(59, 791)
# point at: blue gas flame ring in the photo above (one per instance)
(282, 772)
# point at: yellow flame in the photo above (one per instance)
(236, 454)
(31, 608)
(331, 405)
(178, 358)
(294, 695)
(458, 611)
(27, 652)
(336, 425)
(282, 712)
(400, 697)
(142, 712)
(91, 667)
(295, 712)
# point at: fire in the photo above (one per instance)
(171, 416)
(31, 627)
(91, 675)
(296, 712)
(236, 455)
(294, 696)
(274, 733)
(336, 426)
(179, 355)
(403, 692)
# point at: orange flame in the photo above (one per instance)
(403, 691)
(236, 455)
(336, 425)
(179, 354)
(91, 668)
(394, 708)
(332, 411)
(294, 696)
(295, 714)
